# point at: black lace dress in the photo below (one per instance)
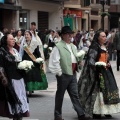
(11, 97)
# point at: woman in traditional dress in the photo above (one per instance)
(57, 37)
(35, 35)
(35, 78)
(97, 87)
(18, 39)
(13, 99)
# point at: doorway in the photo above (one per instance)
(94, 25)
(42, 21)
(83, 24)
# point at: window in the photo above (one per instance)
(82, 3)
(107, 2)
(23, 20)
(86, 2)
(97, 1)
(92, 1)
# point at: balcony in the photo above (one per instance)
(98, 6)
(72, 4)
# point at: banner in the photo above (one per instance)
(77, 13)
(68, 21)
(1, 1)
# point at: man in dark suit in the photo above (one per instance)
(116, 43)
(34, 29)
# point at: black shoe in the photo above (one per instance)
(108, 116)
(84, 117)
(19, 119)
(96, 116)
(30, 94)
(58, 118)
(14, 118)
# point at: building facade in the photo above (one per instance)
(90, 14)
(114, 13)
(8, 10)
(53, 14)
(47, 14)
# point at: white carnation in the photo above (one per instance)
(80, 53)
(100, 64)
(29, 64)
(25, 65)
(39, 60)
(45, 45)
(21, 65)
(50, 48)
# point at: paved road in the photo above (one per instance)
(42, 102)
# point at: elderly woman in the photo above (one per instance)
(35, 78)
(13, 100)
(98, 91)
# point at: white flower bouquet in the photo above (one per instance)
(80, 55)
(50, 49)
(47, 51)
(25, 65)
(100, 64)
(39, 60)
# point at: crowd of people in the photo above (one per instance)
(93, 95)
(83, 40)
(96, 92)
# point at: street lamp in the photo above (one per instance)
(102, 2)
(88, 13)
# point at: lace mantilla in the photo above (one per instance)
(33, 45)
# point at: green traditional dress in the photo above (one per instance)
(35, 78)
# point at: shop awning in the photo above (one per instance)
(10, 7)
